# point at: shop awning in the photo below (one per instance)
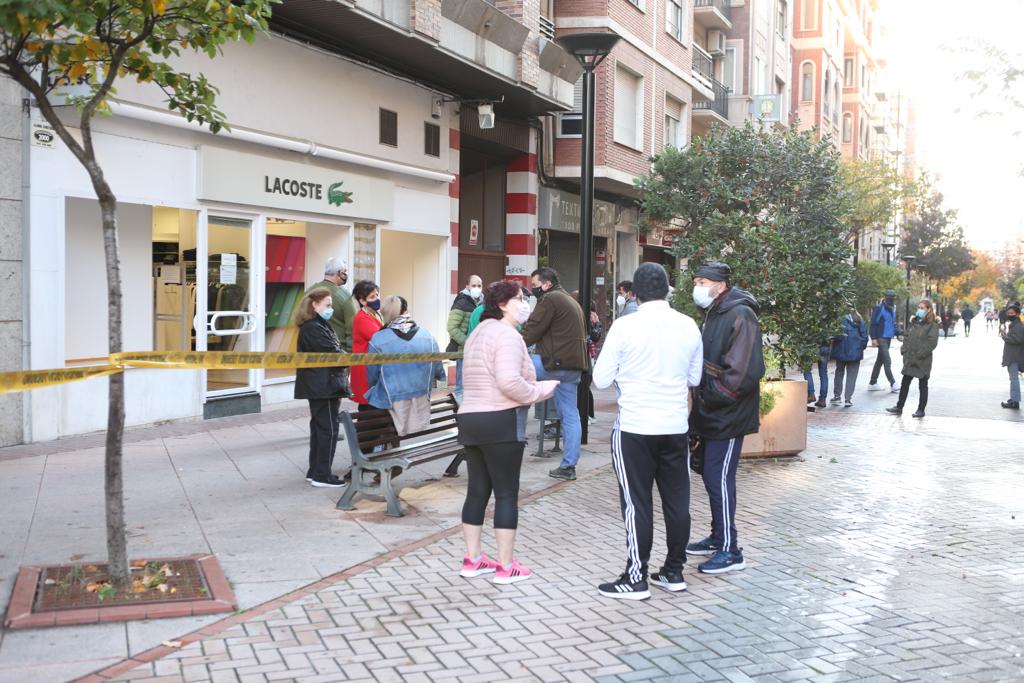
(352, 31)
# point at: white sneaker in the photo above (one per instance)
(895, 389)
(874, 387)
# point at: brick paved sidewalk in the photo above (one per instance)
(876, 557)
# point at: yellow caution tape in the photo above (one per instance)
(209, 360)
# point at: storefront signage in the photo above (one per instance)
(474, 232)
(228, 269)
(243, 178)
(558, 210)
(43, 135)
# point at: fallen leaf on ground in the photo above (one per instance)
(171, 643)
(138, 586)
(92, 587)
(174, 590)
(163, 587)
(91, 568)
(50, 582)
(136, 564)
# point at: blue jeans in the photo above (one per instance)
(822, 379)
(1014, 369)
(458, 375)
(568, 410)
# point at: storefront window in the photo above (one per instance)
(285, 283)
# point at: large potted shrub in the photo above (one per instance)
(770, 204)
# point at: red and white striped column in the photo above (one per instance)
(521, 216)
(453, 195)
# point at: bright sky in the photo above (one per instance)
(978, 159)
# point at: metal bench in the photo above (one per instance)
(373, 472)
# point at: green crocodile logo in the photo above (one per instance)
(338, 197)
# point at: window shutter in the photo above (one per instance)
(577, 96)
(388, 128)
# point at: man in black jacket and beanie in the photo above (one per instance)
(726, 405)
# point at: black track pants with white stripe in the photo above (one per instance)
(720, 460)
(641, 461)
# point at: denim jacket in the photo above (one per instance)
(402, 381)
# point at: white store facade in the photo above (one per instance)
(219, 234)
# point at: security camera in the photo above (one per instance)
(435, 107)
(486, 114)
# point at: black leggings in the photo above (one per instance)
(493, 467)
(922, 401)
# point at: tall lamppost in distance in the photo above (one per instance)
(888, 245)
(589, 49)
(906, 316)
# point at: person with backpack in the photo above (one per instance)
(848, 352)
(883, 329)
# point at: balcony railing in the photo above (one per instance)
(702, 63)
(720, 5)
(719, 105)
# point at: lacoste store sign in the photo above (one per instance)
(242, 178)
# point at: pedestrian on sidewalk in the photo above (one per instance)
(366, 324)
(625, 299)
(499, 385)
(403, 389)
(653, 357)
(990, 319)
(558, 328)
(918, 346)
(342, 301)
(1013, 353)
(458, 320)
(727, 406)
(967, 315)
(882, 330)
(824, 353)
(323, 388)
(848, 351)
(947, 322)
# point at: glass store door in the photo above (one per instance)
(225, 310)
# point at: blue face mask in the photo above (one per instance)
(921, 313)
(375, 305)
(327, 313)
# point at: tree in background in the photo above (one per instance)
(971, 286)
(49, 45)
(875, 192)
(771, 204)
(870, 281)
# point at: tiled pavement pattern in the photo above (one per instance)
(891, 552)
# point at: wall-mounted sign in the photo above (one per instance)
(474, 233)
(242, 178)
(43, 135)
(558, 210)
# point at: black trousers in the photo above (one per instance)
(640, 461)
(922, 384)
(323, 436)
(721, 458)
(967, 328)
(493, 468)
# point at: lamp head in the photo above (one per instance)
(588, 48)
(486, 114)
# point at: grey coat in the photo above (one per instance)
(918, 345)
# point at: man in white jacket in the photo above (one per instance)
(653, 357)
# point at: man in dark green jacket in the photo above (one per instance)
(558, 329)
(726, 406)
(345, 307)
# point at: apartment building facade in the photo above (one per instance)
(756, 65)
(398, 135)
(819, 43)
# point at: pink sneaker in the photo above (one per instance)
(516, 572)
(472, 569)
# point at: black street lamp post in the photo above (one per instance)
(589, 49)
(906, 316)
(888, 246)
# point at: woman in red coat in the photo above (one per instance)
(366, 324)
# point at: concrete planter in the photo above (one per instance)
(783, 430)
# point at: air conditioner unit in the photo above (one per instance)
(716, 43)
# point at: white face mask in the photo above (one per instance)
(620, 301)
(702, 296)
(523, 312)
(476, 292)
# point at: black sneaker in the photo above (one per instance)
(624, 589)
(723, 561)
(1011, 405)
(332, 482)
(705, 547)
(566, 473)
(670, 581)
(895, 410)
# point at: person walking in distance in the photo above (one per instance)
(882, 330)
(500, 384)
(458, 319)
(848, 352)
(967, 315)
(625, 299)
(727, 405)
(1013, 353)
(653, 357)
(343, 303)
(558, 328)
(918, 345)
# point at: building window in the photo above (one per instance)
(848, 73)
(826, 94)
(847, 128)
(758, 84)
(675, 126)
(388, 128)
(628, 108)
(809, 15)
(838, 104)
(807, 82)
(729, 70)
(781, 18)
(570, 124)
(674, 16)
(431, 140)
